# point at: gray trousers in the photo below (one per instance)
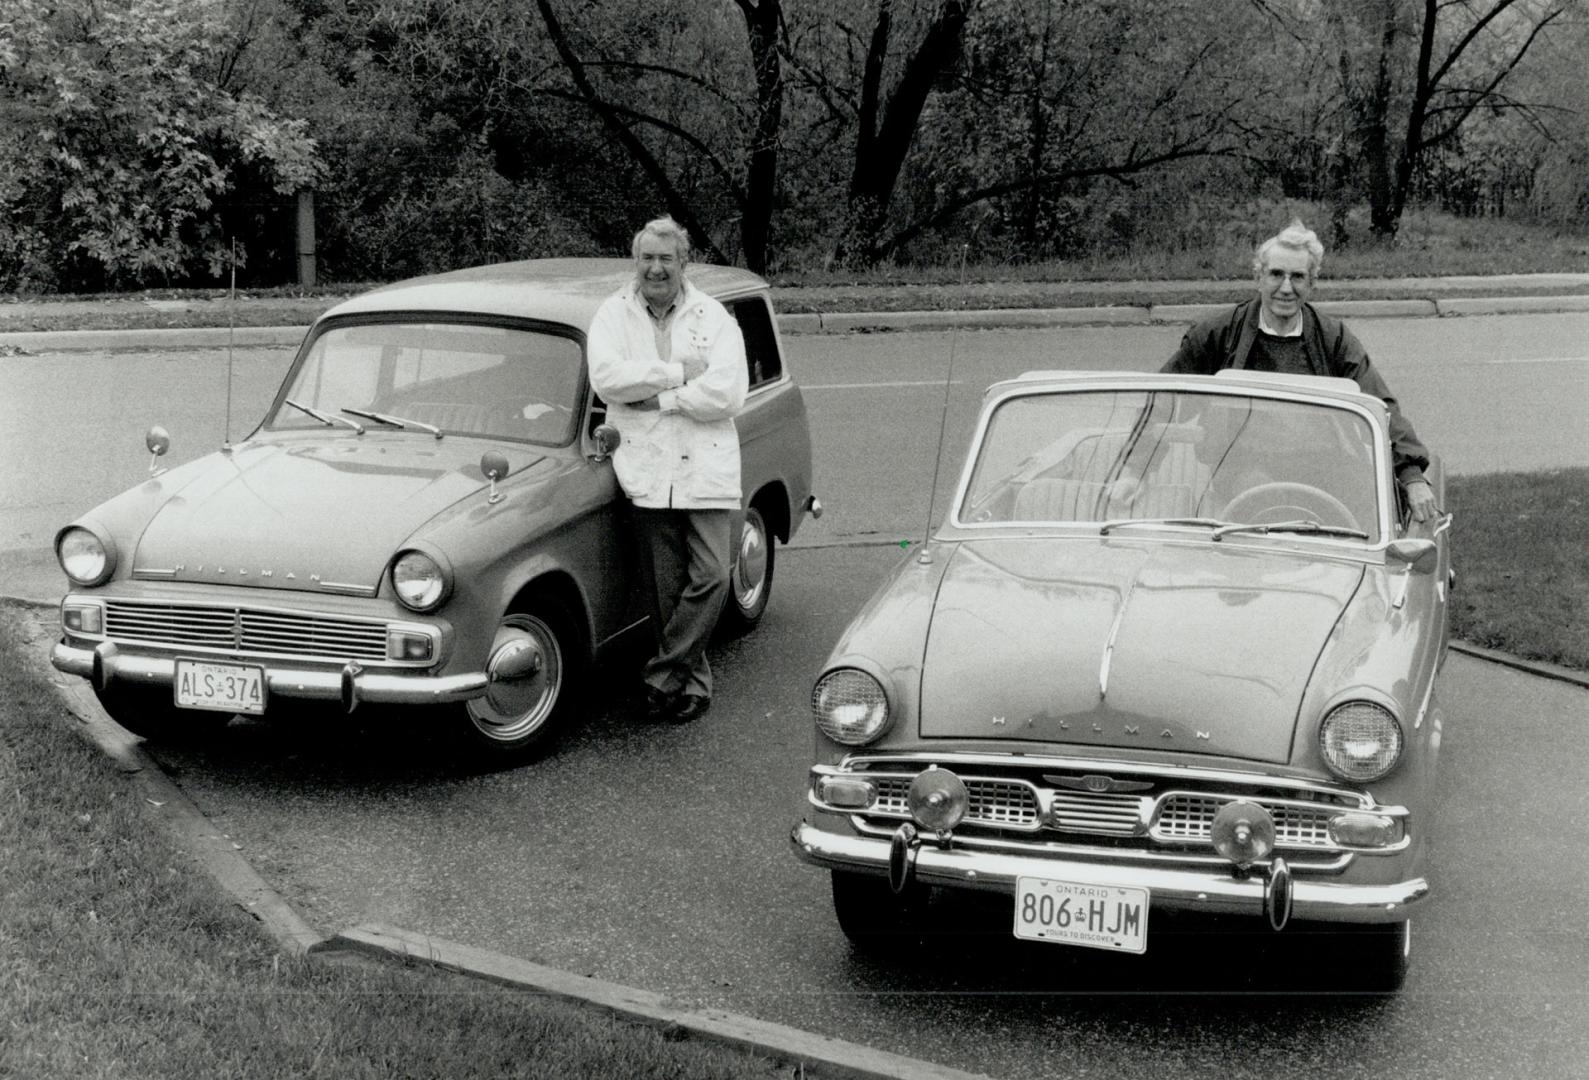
(684, 556)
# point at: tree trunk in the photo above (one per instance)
(763, 24)
(885, 132)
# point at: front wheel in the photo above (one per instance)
(149, 711)
(533, 671)
(750, 582)
(1364, 958)
(876, 919)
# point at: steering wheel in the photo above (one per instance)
(1286, 500)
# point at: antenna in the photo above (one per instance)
(231, 321)
(943, 420)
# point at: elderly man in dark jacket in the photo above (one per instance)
(1281, 331)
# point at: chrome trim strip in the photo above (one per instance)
(153, 574)
(1109, 645)
(395, 688)
(1171, 888)
(347, 590)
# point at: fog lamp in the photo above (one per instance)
(409, 645)
(1243, 832)
(83, 618)
(1365, 830)
(938, 800)
(846, 792)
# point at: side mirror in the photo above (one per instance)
(606, 439)
(494, 465)
(1418, 555)
(158, 440)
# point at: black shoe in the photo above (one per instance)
(659, 704)
(688, 706)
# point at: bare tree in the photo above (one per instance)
(751, 184)
(1462, 55)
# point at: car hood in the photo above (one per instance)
(323, 515)
(1190, 647)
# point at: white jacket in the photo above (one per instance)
(685, 453)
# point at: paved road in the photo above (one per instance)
(659, 858)
(1490, 393)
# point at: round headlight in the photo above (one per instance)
(849, 706)
(83, 556)
(1361, 741)
(419, 580)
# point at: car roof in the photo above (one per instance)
(556, 290)
(1230, 379)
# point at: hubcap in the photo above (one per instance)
(525, 675)
(750, 574)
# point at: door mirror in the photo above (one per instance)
(495, 466)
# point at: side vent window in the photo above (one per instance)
(761, 342)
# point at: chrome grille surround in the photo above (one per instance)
(257, 631)
(1171, 820)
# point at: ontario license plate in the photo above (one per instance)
(232, 688)
(1072, 913)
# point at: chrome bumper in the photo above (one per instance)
(1171, 888)
(351, 684)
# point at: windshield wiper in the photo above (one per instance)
(1305, 526)
(328, 421)
(394, 421)
(1119, 523)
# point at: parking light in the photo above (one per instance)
(845, 792)
(404, 644)
(83, 618)
(1365, 830)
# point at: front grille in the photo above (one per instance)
(1168, 817)
(257, 631)
(1102, 814)
(995, 803)
(1190, 818)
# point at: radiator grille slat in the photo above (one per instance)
(247, 630)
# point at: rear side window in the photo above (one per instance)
(761, 341)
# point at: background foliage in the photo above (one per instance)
(142, 142)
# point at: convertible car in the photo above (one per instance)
(1173, 650)
(426, 516)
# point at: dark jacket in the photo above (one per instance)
(1226, 340)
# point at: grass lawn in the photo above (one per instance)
(119, 958)
(1518, 543)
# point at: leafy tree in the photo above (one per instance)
(1415, 73)
(119, 139)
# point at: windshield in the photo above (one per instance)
(490, 381)
(1121, 456)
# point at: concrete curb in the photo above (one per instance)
(1537, 668)
(222, 859)
(829, 1057)
(1512, 305)
(839, 322)
(187, 338)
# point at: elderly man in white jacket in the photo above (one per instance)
(669, 361)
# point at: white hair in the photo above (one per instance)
(664, 228)
(1297, 237)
